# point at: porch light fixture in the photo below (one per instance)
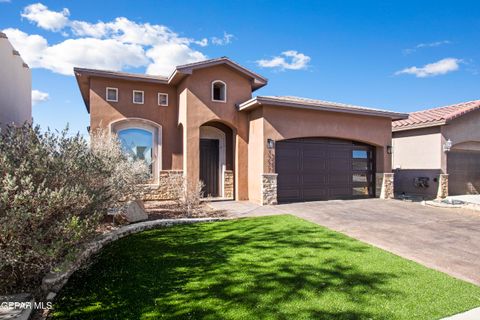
(447, 145)
(270, 144)
(389, 149)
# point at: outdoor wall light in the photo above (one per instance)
(389, 149)
(447, 145)
(270, 144)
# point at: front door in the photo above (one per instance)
(209, 166)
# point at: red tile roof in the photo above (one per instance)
(435, 116)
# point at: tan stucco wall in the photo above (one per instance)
(199, 109)
(102, 113)
(190, 107)
(255, 154)
(287, 123)
(15, 87)
(417, 149)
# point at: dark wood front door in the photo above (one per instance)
(209, 166)
(311, 169)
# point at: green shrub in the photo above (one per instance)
(54, 190)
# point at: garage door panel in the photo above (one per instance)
(322, 169)
(339, 154)
(339, 178)
(289, 195)
(340, 192)
(315, 166)
(315, 179)
(340, 164)
(315, 194)
(463, 169)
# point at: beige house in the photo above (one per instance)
(203, 123)
(437, 151)
(15, 86)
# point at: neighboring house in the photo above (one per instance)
(202, 122)
(15, 86)
(437, 151)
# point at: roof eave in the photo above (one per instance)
(419, 126)
(181, 71)
(255, 102)
(83, 91)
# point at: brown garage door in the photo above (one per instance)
(312, 169)
(463, 169)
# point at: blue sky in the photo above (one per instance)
(396, 55)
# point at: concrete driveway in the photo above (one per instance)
(447, 240)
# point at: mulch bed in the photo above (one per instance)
(169, 210)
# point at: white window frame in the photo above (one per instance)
(160, 104)
(106, 94)
(143, 96)
(225, 94)
(144, 124)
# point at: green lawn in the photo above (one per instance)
(278, 267)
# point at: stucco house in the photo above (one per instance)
(203, 123)
(436, 152)
(15, 85)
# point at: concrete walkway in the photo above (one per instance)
(443, 239)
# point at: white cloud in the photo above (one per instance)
(291, 60)
(114, 45)
(108, 54)
(226, 39)
(426, 45)
(39, 96)
(171, 54)
(433, 69)
(44, 18)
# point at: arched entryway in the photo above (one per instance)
(311, 169)
(216, 160)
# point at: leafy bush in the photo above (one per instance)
(54, 190)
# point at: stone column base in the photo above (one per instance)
(169, 183)
(228, 184)
(384, 185)
(442, 186)
(269, 188)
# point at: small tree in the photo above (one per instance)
(54, 190)
(189, 195)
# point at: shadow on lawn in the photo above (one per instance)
(246, 269)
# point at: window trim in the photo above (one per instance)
(106, 94)
(144, 124)
(158, 99)
(143, 96)
(225, 94)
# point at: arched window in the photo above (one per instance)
(138, 144)
(219, 91)
(141, 139)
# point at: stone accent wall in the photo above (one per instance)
(228, 184)
(442, 186)
(269, 188)
(384, 185)
(169, 182)
(378, 184)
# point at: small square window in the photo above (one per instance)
(163, 99)
(138, 97)
(112, 94)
